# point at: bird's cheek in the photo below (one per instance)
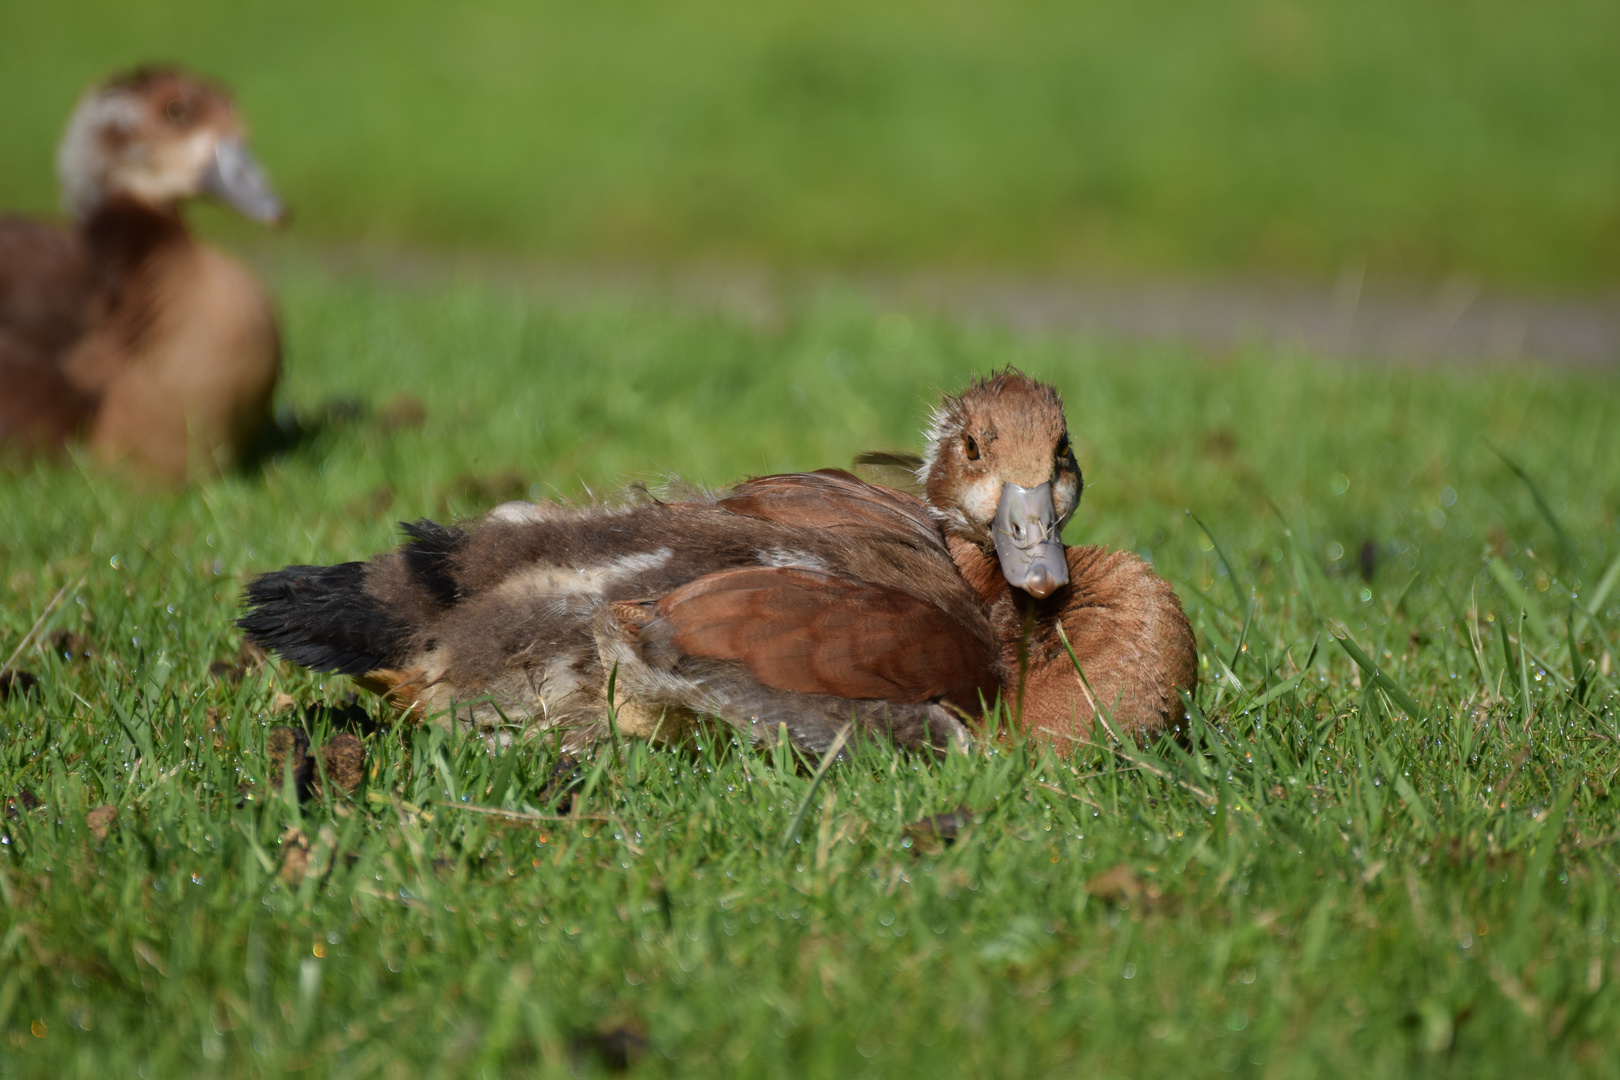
(980, 499)
(170, 172)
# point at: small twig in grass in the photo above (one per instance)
(827, 760)
(1075, 795)
(528, 818)
(1513, 773)
(39, 622)
(521, 815)
(1587, 845)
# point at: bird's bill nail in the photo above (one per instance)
(236, 179)
(1026, 539)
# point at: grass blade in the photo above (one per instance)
(1245, 604)
(1388, 685)
(1519, 598)
(820, 774)
(1530, 895)
(1594, 602)
(1566, 547)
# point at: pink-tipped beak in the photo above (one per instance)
(1027, 542)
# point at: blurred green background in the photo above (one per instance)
(1121, 137)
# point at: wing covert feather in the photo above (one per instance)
(833, 499)
(816, 633)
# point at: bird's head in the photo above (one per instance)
(158, 136)
(1000, 472)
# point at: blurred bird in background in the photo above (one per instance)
(122, 328)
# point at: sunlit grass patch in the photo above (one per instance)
(1386, 847)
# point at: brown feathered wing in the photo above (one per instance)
(815, 633)
(802, 630)
(833, 499)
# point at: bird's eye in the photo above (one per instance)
(1063, 447)
(176, 110)
(971, 448)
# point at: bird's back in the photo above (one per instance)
(531, 606)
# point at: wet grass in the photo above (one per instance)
(1157, 136)
(1387, 851)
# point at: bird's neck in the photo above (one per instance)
(1033, 654)
(130, 247)
(979, 569)
(122, 235)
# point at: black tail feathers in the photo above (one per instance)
(321, 618)
(327, 619)
(427, 558)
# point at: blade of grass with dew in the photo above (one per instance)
(1566, 547)
(1373, 672)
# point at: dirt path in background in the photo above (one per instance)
(1455, 322)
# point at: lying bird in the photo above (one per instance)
(123, 328)
(804, 600)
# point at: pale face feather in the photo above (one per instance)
(122, 142)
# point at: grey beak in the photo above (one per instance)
(1027, 540)
(236, 180)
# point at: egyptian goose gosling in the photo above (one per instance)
(1000, 480)
(123, 328)
(804, 601)
(1000, 474)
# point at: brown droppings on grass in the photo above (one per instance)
(15, 682)
(343, 758)
(295, 856)
(931, 835)
(100, 820)
(616, 1046)
(21, 803)
(402, 412)
(302, 857)
(1123, 887)
(70, 646)
(288, 747)
(566, 774)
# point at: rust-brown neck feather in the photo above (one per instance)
(1126, 627)
(122, 234)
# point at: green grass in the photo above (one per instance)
(1149, 136)
(1322, 885)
